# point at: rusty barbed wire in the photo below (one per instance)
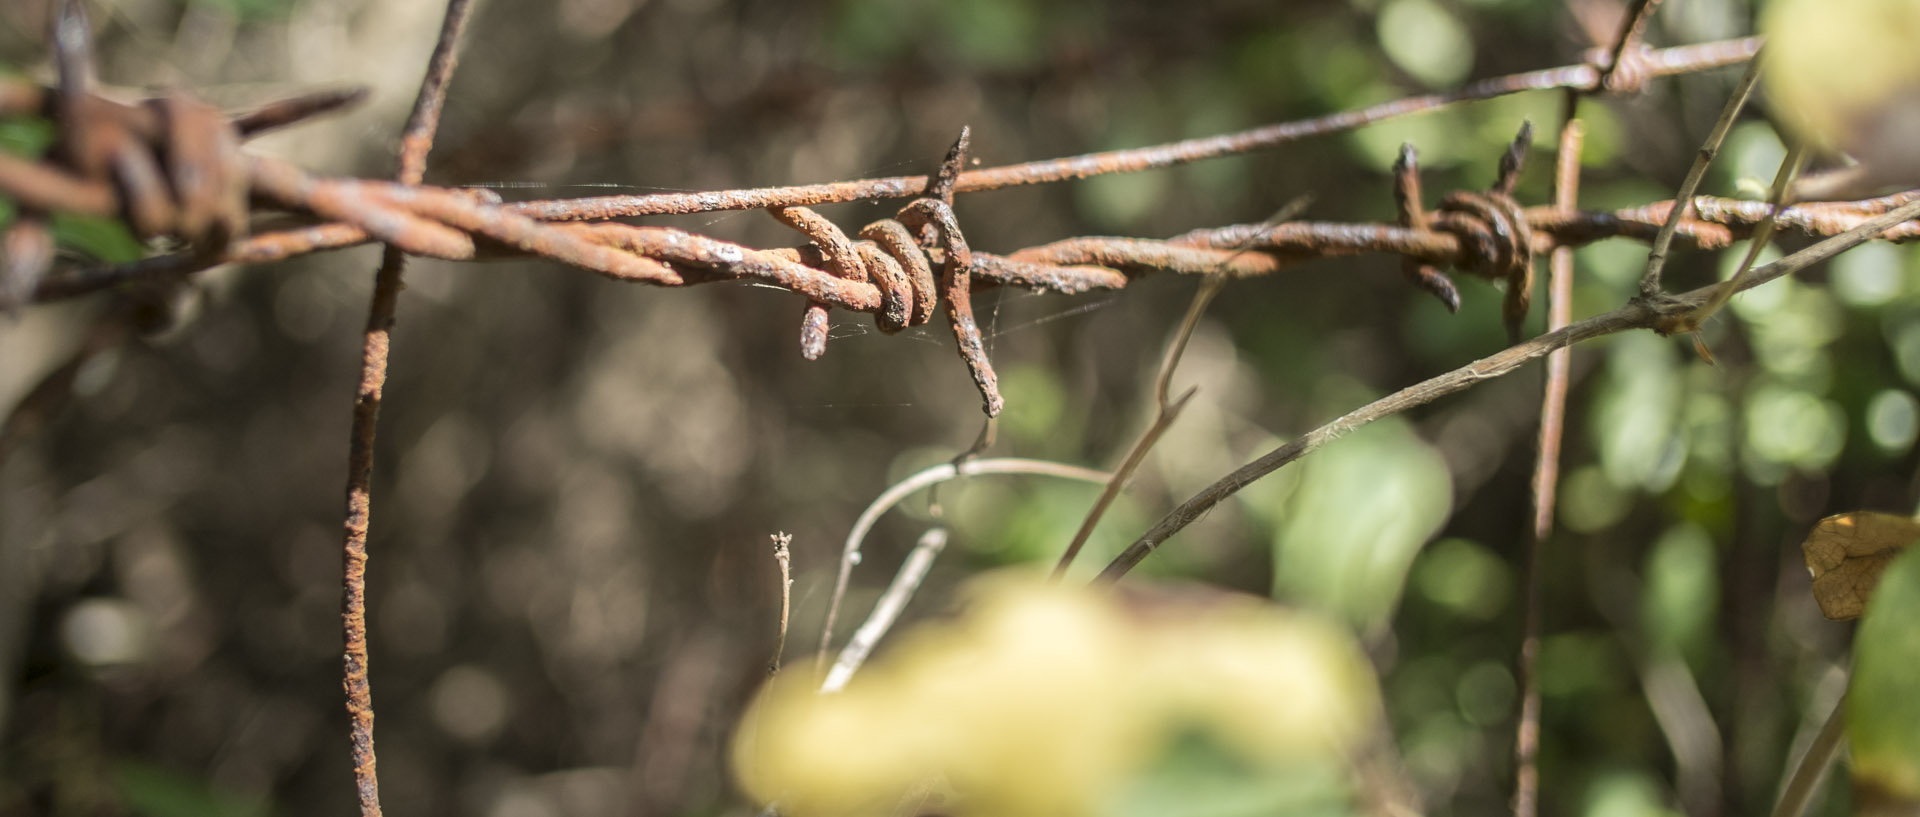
(168, 166)
(172, 166)
(1586, 76)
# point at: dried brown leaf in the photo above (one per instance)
(1846, 554)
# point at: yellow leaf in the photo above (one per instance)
(1847, 553)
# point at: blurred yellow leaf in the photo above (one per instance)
(1847, 553)
(1843, 74)
(1050, 700)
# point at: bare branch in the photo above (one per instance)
(782, 556)
(1657, 257)
(887, 610)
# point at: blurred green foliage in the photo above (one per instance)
(1881, 707)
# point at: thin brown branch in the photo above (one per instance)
(1639, 314)
(1657, 257)
(416, 141)
(375, 345)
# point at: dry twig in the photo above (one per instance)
(783, 557)
(887, 610)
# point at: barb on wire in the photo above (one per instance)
(170, 166)
(1413, 215)
(1490, 222)
(890, 260)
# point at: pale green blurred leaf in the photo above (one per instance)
(1637, 411)
(1788, 427)
(1682, 591)
(1626, 794)
(1464, 578)
(1199, 778)
(1364, 506)
(1426, 41)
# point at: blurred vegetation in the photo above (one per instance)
(572, 596)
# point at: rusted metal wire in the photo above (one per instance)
(888, 271)
(1661, 63)
(1546, 469)
(16, 97)
(168, 166)
(1626, 68)
(415, 142)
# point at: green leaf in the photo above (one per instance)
(27, 136)
(103, 238)
(152, 791)
(1883, 713)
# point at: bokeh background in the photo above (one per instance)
(572, 589)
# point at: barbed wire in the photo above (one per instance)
(172, 166)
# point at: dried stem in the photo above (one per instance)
(417, 140)
(1165, 410)
(1657, 256)
(782, 556)
(1814, 764)
(1639, 314)
(850, 554)
(887, 609)
(1790, 166)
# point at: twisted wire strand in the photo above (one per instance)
(899, 269)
